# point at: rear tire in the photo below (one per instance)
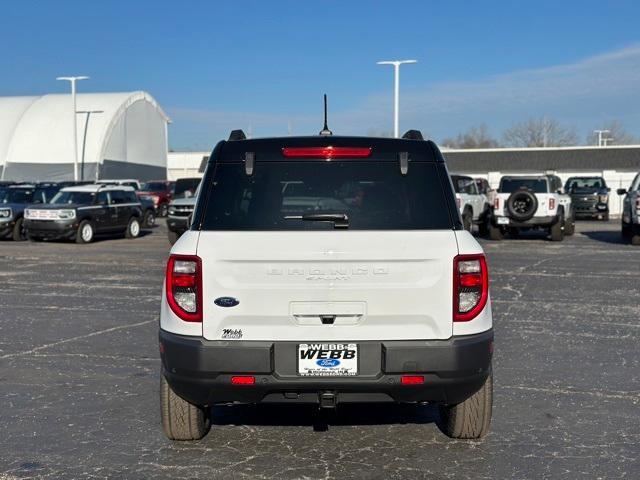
(467, 221)
(173, 237)
(494, 232)
(570, 226)
(85, 232)
(18, 233)
(133, 228)
(181, 420)
(556, 231)
(485, 220)
(149, 219)
(470, 419)
(635, 240)
(163, 210)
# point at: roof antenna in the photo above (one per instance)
(325, 130)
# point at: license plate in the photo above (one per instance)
(503, 221)
(327, 359)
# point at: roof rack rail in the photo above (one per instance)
(237, 135)
(413, 135)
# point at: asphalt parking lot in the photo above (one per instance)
(79, 376)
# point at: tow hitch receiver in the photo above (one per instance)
(327, 399)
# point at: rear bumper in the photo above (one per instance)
(584, 210)
(51, 228)
(533, 222)
(200, 370)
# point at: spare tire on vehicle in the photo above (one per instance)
(522, 205)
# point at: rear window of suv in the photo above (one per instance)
(510, 185)
(373, 194)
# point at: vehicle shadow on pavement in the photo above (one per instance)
(606, 236)
(320, 420)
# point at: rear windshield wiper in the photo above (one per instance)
(340, 220)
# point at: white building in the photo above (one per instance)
(185, 164)
(119, 135)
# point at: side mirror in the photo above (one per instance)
(621, 191)
(559, 191)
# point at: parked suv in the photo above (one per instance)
(531, 203)
(473, 205)
(13, 201)
(82, 212)
(589, 197)
(631, 211)
(179, 217)
(326, 270)
(160, 192)
(181, 208)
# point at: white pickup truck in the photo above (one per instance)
(534, 202)
(473, 205)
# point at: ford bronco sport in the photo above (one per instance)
(82, 212)
(532, 203)
(326, 270)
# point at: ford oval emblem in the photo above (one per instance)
(328, 362)
(226, 302)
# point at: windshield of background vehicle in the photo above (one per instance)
(17, 195)
(463, 184)
(74, 197)
(155, 186)
(510, 185)
(585, 183)
(184, 185)
(373, 194)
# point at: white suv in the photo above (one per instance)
(326, 270)
(535, 202)
(473, 205)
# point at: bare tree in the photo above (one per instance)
(617, 135)
(475, 137)
(540, 132)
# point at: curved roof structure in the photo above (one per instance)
(128, 127)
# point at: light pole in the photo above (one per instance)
(396, 91)
(73, 81)
(600, 139)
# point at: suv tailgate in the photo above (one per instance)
(328, 285)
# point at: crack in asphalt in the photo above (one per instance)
(73, 339)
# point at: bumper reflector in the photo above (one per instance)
(411, 380)
(243, 380)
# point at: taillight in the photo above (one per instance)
(184, 287)
(470, 286)
(552, 203)
(496, 203)
(327, 152)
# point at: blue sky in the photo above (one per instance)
(215, 66)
